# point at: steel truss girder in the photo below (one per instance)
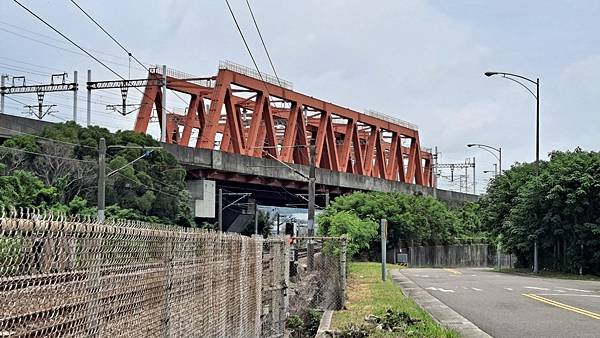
(251, 125)
(63, 87)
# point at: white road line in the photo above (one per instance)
(438, 289)
(560, 291)
(567, 294)
(576, 290)
(536, 288)
(509, 289)
(476, 289)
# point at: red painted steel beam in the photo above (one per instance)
(248, 115)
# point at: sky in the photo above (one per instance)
(420, 61)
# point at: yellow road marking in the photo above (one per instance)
(563, 306)
(454, 271)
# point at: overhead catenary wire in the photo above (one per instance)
(59, 104)
(263, 41)
(80, 160)
(172, 187)
(146, 186)
(58, 47)
(129, 53)
(49, 139)
(68, 39)
(109, 35)
(31, 64)
(46, 37)
(45, 155)
(244, 39)
(75, 44)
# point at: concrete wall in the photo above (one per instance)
(203, 197)
(253, 166)
(247, 165)
(11, 125)
(472, 255)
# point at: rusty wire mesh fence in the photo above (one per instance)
(320, 284)
(63, 277)
(275, 282)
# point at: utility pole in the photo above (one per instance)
(2, 78)
(101, 179)
(163, 127)
(255, 218)
(220, 214)
(474, 190)
(89, 98)
(311, 207)
(466, 179)
(537, 157)
(434, 172)
(102, 175)
(75, 98)
(278, 223)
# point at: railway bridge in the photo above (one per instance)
(252, 132)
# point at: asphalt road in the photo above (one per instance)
(510, 306)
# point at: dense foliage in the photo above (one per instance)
(558, 205)
(413, 218)
(63, 175)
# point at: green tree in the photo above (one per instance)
(360, 233)
(415, 218)
(265, 224)
(22, 189)
(152, 188)
(557, 206)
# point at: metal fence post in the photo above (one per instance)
(343, 272)
(383, 248)
(498, 248)
(170, 256)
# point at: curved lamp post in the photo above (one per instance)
(536, 95)
(497, 154)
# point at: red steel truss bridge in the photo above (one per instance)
(243, 112)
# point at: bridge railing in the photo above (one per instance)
(234, 67)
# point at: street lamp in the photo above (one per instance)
(488, 149)
(536, 95)
(495, 171)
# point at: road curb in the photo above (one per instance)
(438, 310)
(324, 324)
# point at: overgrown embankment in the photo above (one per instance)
(388, 312)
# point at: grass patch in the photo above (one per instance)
(367, 294)
(548, 274)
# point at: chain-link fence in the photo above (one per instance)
(66, 277)
(318, 283)
(275, 286)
